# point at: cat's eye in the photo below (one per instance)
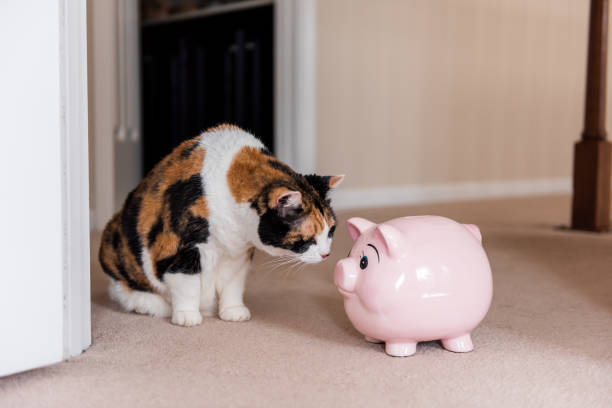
(364, 262)
(331, 232)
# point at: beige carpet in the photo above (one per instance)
(546, 341)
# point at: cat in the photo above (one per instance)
(182, 244)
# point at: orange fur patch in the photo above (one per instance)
(250, 172)
(200, 208)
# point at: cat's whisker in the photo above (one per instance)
(297, 266)
(279, 265)
(278, 262)
(275, 260)
(292, 264)
(274, 264)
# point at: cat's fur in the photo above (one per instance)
(183, 242)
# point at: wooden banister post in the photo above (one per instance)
(591, 201)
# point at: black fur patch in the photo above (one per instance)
(155, 230)
(129, 224)
(191, 229)
(331, 232)
(107, 236)
(162, 266)
(265, 151)
(116, 240)
(195, 231)
(181, 195)
(273, 229)
(319, 183)
(186, 260)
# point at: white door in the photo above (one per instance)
(44, 243)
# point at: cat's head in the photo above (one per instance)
(296, 218)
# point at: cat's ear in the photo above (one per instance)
(324, 183)
(334, 181)
(286, 201)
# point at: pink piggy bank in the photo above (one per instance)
(415, 279)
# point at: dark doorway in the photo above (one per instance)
(200, 71)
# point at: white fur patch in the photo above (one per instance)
(185, 294)
(139, 302)
(235, 314)
(186, 318)
(231, 224)
(184, 290)
(147, 267)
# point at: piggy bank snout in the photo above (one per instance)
(345, 275)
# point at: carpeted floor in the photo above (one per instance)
(546, 341)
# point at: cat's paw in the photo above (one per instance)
(235, 314)
(186, 318)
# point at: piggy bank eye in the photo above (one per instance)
(364, 262)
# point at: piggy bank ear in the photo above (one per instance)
(356, 226)
(474, 230)
(392, 238)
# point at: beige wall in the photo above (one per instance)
(426, 91)
(91, 100)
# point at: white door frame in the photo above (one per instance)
(294, 111)
(75, 176)
(295, 107)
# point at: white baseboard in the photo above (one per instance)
(444, 192)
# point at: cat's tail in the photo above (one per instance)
(138, 301)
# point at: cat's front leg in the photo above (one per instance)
(208, 294)
(231, 278)
(185, 295)
(184, 280)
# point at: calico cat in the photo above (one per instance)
(186, 235)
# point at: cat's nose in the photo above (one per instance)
(324, 255)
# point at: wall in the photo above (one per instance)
(429, 91)
(116, 168)
(102, 62)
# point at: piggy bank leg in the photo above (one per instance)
(372, 340)
(400, 349)
(459, 344)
